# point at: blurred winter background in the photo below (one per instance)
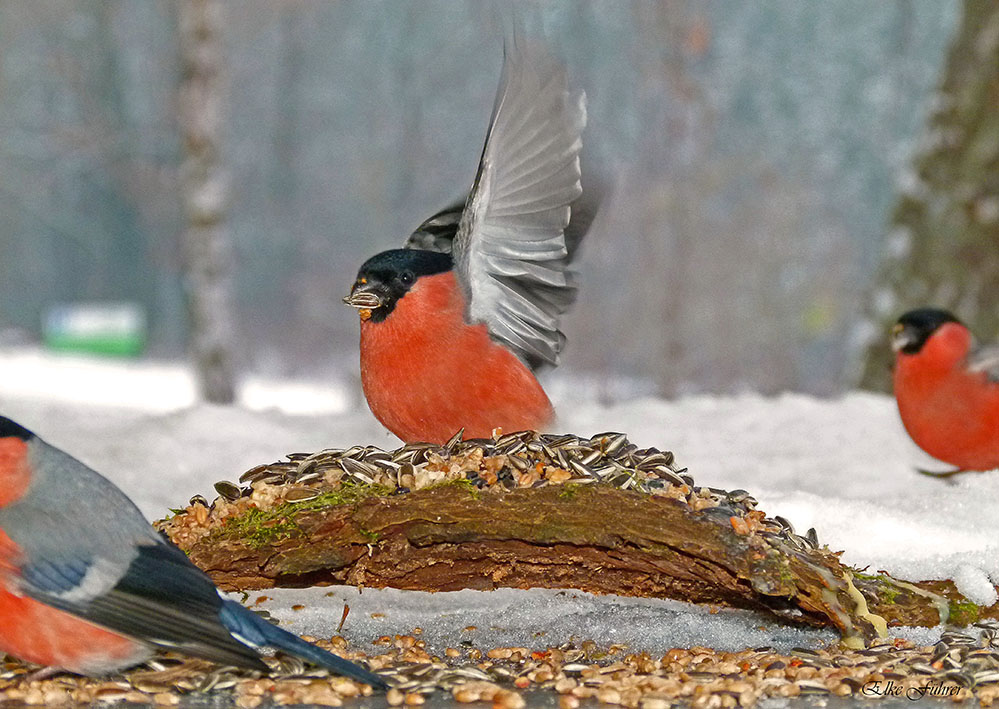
(756, 153)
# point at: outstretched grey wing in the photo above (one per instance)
(510, 249)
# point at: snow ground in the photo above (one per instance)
(844, 466)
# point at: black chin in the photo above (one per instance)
(914, 344)
(381, 312)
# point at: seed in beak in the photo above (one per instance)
(365, 313)
(363, 299)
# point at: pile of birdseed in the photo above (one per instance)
(963, 664)
(525, 459)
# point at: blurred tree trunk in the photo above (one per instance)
(944, 247)
(207, 251)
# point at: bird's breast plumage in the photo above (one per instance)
(426, 372)
(47, 636)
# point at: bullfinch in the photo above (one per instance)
(454, 326)
(947, 389)
(88, 586)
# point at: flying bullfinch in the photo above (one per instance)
(947, 389)
(454, 326)
(88, 586)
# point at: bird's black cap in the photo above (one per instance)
(397, 261)
(915, 327)
(390, 274)
(12, 429)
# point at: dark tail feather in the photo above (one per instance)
(255, 630)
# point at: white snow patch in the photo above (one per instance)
(149, 386)
(975, 584)
(95, 381)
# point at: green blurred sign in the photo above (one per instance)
(114, 329)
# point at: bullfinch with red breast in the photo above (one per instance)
(88, 586)
(947, 389)
(454, 325)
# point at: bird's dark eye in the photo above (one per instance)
(406, 278)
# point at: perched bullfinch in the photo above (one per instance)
(454, 325)
(88, 586)
(947, 389)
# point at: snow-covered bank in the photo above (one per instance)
(843, 466)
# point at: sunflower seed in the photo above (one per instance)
(301, 494)
(986, 677)
(252, 473)
(808, 687)
(228, 490)
(454, 440)
(784, 523)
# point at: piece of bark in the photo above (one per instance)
(594, 537)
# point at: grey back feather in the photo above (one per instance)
(71, 514)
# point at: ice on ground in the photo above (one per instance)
(844, 466)
(536, 618)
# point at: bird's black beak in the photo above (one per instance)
(901, 337)
(365, 298)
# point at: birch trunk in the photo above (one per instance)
(207, 250)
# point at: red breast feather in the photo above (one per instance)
(427, 373)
